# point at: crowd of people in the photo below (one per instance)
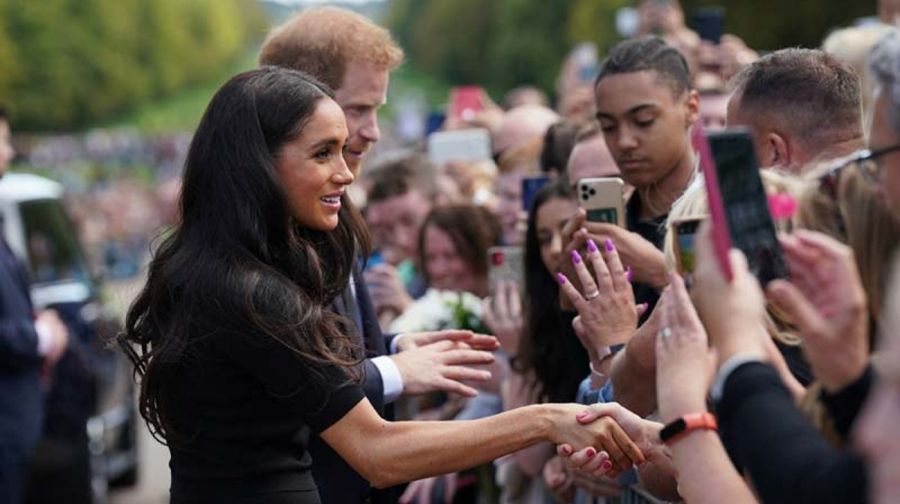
(325, 325)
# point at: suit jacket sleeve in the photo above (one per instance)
(18, 343)
(788, 461)
(373, 385)
(18, 339)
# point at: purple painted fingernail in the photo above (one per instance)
(610, 246)
(576, 257)
(591, 245)
(628, 273)
(560, 278)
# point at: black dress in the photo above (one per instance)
(244, 410)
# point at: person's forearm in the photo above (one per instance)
(634, 374)
(388, 453)
(705, 473)
(517, 392)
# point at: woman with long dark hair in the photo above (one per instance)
(239, 355)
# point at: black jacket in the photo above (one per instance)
(786, 458)
(21, 397)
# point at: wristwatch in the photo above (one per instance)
(687, 423)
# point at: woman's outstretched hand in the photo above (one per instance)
(606, 312)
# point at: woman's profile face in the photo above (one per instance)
(446, 268)
(549, 221)
(313, 170)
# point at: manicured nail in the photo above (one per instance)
(591, 245)
(610, 246)
(606, 465)
(628, 273)
(567, 450)
(590, 453)
(576, 257)
(560, 278)
(581, 416)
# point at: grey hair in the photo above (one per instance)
(884, 62)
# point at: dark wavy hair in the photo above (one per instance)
(541, 349)
(237, 262)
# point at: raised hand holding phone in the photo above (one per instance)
(733, 310)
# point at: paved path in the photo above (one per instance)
(153, 478)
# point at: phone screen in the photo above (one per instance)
(746, 206)
(465, 102)
(685, 233)
(530, 187)
(709, 23)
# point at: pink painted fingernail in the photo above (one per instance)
(610, 246)
(581, 416)
(606, 465)
(591, 245)
(590, 453)
(628, 273)
(560, 278)
(576, 257)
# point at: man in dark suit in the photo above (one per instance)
(26, 344)
(354, 57)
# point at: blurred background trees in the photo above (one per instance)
(502, 43)
(65, 64)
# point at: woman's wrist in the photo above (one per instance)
(676, 407)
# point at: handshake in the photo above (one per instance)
(612, 440)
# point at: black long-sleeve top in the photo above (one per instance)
(769, 438)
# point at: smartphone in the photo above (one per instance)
(603, 198)
(505, 263)
(709, 23)
(530, 187)
(374, 260)
(459, 145)
(739, 207)
(466, 101)
(684, 232)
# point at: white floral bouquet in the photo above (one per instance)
(438, 310)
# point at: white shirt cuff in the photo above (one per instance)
(734, 362)
(391, 380)
(45, 338)
(395, 342)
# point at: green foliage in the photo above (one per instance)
(774, 24)
(65, 64)
(498, 44)
(595, 21)
(181, 111)
(504, 43)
